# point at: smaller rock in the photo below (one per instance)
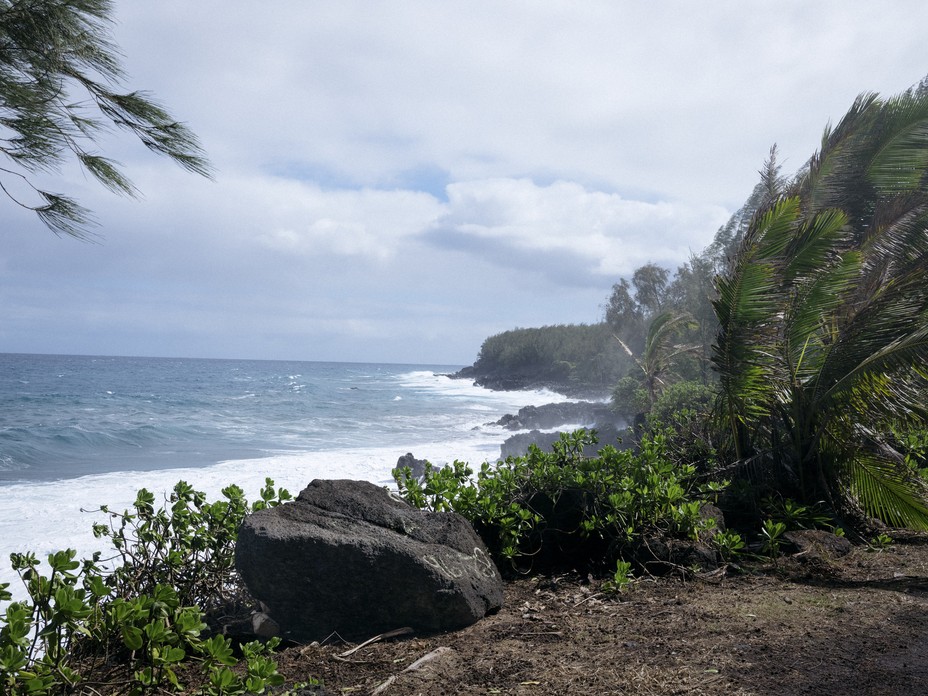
(416, 465)
(818, 544)
(659, 555)
(264, 626)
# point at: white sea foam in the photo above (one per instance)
(49, 516)
(430, 381)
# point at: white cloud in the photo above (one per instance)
(397, 180)
(670, 102)
(602, 233)
(304, 219)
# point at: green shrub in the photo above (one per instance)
(629, 398)
(561, 508)
(795, 516)
(729, 544)
(621, 578)
(772, 535)
(685, 397)
(188, 545)
(142, 616)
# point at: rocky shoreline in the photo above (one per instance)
(541, 425)
(545, 423)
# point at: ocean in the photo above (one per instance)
(77, 432)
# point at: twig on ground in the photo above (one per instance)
(428, 657)
(389, 634)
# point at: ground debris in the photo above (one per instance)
(769, 630)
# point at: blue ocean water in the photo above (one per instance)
(70, 416)
(77, 432)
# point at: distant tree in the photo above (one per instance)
(650, 283)
(628, 313)
(691, 293)
(622, 307)
(60, 77)
(766, 191)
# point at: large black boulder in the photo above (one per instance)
(351, 558)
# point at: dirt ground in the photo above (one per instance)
(854, 625)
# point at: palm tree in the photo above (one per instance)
(661, 355)
(823, 317)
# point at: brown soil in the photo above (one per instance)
(854, 625)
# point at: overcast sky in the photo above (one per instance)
(398, 180)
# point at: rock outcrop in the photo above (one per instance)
(817, 544)
(517, 445)
(585, 413)
(417, 466)
(348, 557)
(540, 419)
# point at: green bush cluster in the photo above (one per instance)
(912, 442)
(137, 617)
(561, 508)
(189, 545)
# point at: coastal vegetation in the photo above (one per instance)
(790, 354)
(142, 619)
(561, 509)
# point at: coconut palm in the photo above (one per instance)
(823, 316)
(661, 354)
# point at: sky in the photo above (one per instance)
(396, 181)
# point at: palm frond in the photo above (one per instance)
(774, 229)
(903, 358)
(808, 319)
(887, 492)
(831, 174)
(900, 156)
(815, 244)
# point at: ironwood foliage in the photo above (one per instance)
(60, 90)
